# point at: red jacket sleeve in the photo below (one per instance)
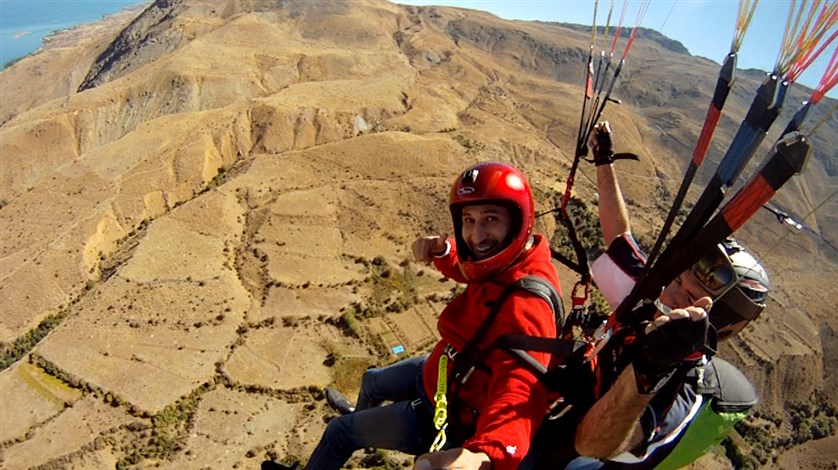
(449, 265)
(516, 400)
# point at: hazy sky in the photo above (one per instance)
(705, 27)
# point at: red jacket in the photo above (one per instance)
(508, 398)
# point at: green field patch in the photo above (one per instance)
(48, 387)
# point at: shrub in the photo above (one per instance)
(378, 459)
(349, 324)
(11, 353)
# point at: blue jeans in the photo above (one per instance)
(404, 425)
(585, 463)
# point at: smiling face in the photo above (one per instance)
(485, 229)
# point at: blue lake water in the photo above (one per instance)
(24, 23)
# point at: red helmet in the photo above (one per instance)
(493, 183)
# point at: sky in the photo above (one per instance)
(705, 27)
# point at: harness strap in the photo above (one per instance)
(610, 159)
(541, 287)
(467, 359)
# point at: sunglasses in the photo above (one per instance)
(715, 273)
(732, 308)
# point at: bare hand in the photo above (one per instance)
(454, 459)
(425, 248)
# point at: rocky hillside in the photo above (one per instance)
(207, 210)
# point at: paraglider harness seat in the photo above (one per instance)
(727, 397)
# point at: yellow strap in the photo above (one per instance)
(441, 406)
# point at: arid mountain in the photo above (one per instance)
(207, 207)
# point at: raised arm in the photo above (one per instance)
(613, 217)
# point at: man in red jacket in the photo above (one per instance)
(466, 404)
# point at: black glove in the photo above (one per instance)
(661, 350)
(603, 147)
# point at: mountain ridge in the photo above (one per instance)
(243, 189)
